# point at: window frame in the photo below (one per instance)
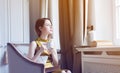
(116, 39)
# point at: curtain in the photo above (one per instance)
(43, 8)
(73, 28)
(74, 16)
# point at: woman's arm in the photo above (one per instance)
(32, 49)
(53, 52)
(38, 53)
(54, 56)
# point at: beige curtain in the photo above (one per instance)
(73, 24)
(73, 19)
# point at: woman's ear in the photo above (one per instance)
(40, 27)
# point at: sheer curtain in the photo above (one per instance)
(43, 8)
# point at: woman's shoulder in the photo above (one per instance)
(51, 40)
(51, 43)
(33, 43)
(37, 42)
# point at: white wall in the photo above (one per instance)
(14, 26)
(104, 20)
(3, 37)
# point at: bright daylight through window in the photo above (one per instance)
(117, 5)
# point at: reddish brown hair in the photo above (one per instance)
(39, 23)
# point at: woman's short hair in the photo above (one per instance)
(39, 23)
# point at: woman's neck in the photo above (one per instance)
(45, 37)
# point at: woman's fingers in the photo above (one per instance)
(43, 47)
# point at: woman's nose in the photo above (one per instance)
(51, 27)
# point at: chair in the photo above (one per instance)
(19, 63)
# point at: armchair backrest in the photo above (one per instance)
(19, 63)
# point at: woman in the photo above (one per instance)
(42, 45)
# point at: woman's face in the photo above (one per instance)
(47, 27)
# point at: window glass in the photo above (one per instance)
(117, 2)
(118, 19)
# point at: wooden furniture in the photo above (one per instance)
(97, 59)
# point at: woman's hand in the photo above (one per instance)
(51, 50)
(43, 47)
(38, 53)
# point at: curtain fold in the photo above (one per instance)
(43, 8)
(74, 16)
(73, 28)
(65, 33)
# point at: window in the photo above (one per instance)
(55, 21)
(117, 6)
(116, 12)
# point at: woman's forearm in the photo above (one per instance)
(55, 57)
(55, 60)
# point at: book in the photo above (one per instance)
(101, 43)
(104, 43)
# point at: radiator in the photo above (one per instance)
(90, 67)
(100, 60)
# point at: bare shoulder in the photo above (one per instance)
(33, 43)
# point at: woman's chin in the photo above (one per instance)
(50, 32)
